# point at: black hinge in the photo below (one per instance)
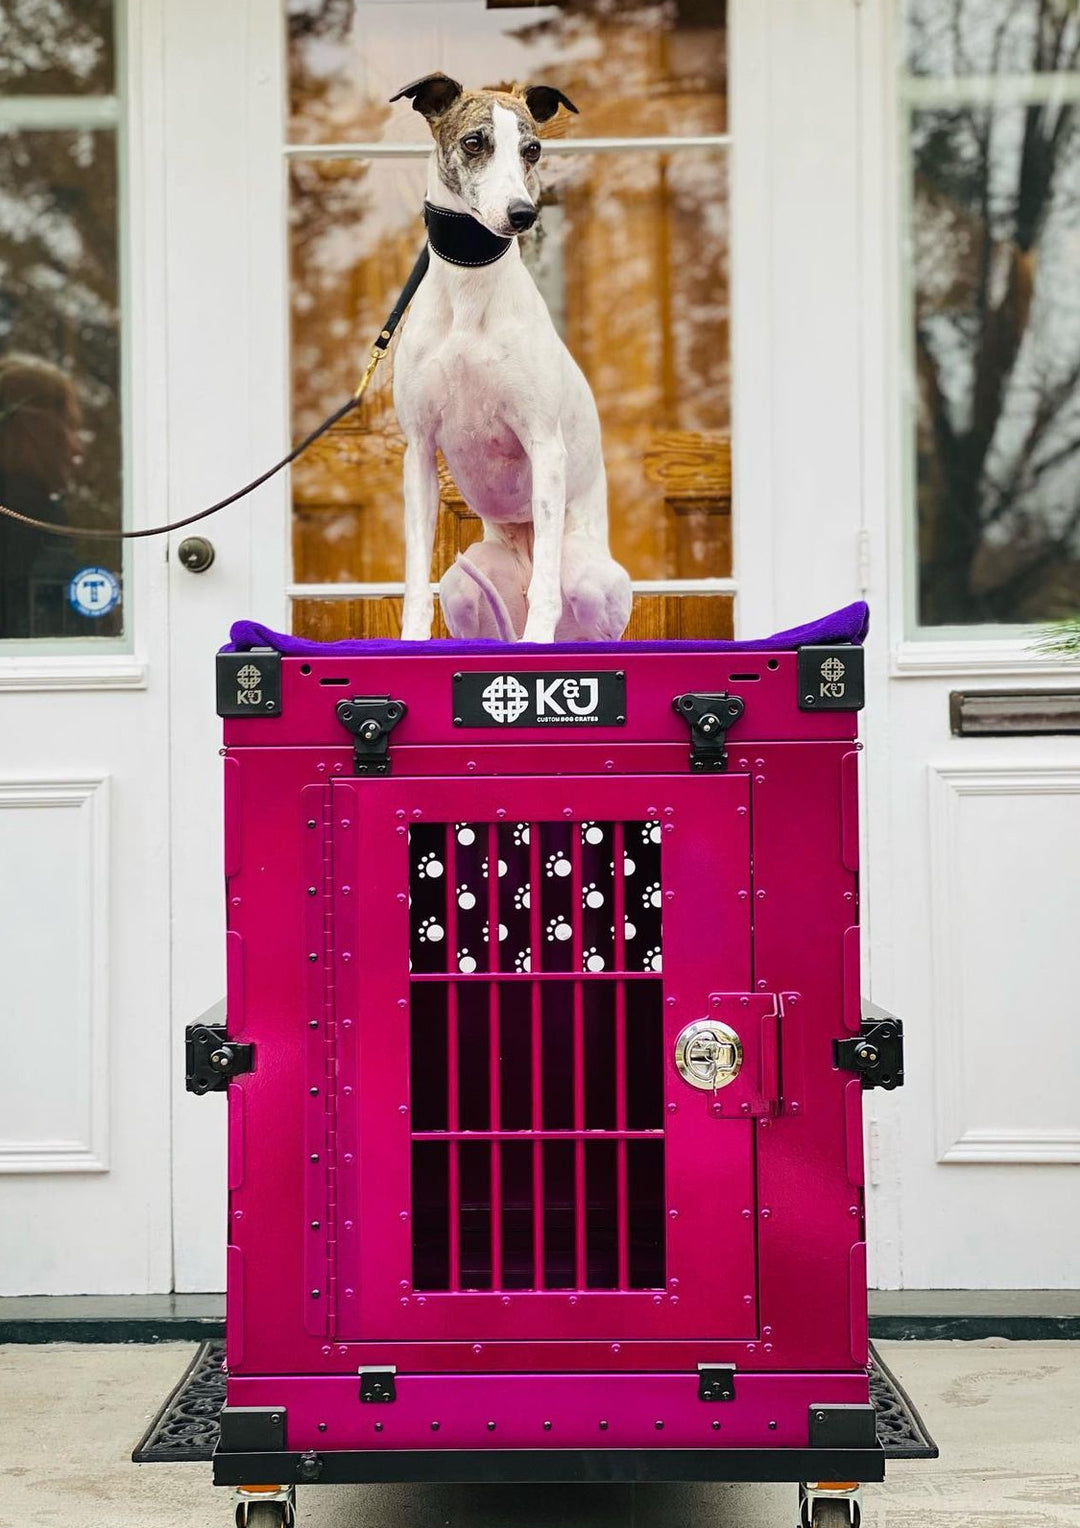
(709, 717)
(876, 1052)
(716, 1382)
(370, 719)
(212, 1058)
(378, 1385)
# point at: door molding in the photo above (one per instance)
(957, 1142)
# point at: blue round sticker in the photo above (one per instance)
(94, 592)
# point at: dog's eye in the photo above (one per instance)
(472, 143)
(531, 152)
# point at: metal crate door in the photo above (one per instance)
(516, 1153)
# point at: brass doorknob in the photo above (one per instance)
(196, 553)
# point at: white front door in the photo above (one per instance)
(140, 289)
(971, 355)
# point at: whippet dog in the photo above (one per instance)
(481, 374)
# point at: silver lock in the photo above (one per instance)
(195, 553)
(708, 1055)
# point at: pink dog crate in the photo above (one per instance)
(545, 1061)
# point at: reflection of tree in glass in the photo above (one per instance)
(997, 331)
(56, 47)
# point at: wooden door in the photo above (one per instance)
(631, 257)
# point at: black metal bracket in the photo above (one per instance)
(709, 717)
(716, 1382)
(252, 1429)
(842, 1425)
(378, 1385)
(876, 1052)
(212, 1058)
(370, 719)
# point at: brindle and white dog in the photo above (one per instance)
(481, 374)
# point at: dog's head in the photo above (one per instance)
(486, 145)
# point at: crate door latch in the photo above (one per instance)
(709, 717)
(370, 719)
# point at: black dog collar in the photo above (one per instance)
(459, 238)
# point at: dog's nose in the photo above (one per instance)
(522, 215)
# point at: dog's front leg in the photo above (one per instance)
(547, 457)
(421, 483)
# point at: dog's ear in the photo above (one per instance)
(544, 101)
(431, 96)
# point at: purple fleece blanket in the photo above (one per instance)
(847, 625)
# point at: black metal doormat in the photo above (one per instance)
(185, 1430)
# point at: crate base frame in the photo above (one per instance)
(568, 1466)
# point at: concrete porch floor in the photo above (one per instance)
(1005, 1415)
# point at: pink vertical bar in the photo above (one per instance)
(493, 1057)
(452, 1095)
(619, 906)
(577, 960)
(537, 1058)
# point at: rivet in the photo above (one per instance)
(603, 1427)
(500, 812)
(313, 956)
(491, 1427)
(568, 811)
(716, 1427)
(378, 1427)
(314, 1092)
(434, 1426)
(616, 1347)
(547, 1426)
(312, 891)
(315, 1294)
(772, 1426)
(311, 822)
(659, 1426)
(314, 1156)
(275, 1416)
(766, 1214)
(313, 1023)
(345, 823)
(322, 1426)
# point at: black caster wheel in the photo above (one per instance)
(265, 1514)
(830, 1514)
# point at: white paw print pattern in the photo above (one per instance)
(592, 960)
(431, 931)
(502, 867)
(592, 896)
(628, 865)
(653, 959)
(650, 897)
(503, 933)
(558, 930)
(650, 832)
(523, 960)
(464, 833)
(521, 898)
(557, 864)
(430, 865)
(592, 833)
(520, 833)
(466, 961)
(629, 930)
(466, 899)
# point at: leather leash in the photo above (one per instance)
(378, 350)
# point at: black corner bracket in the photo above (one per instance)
(377, 1385)
(370, 719)
(212, 1058)
(252, 1429)
(249, 684)
(849, 1425)
(831, 678)
(709, 717)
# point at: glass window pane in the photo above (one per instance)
(650, 332)
(995, 229)
(60, 441)
(56, 47)
(633, 67)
